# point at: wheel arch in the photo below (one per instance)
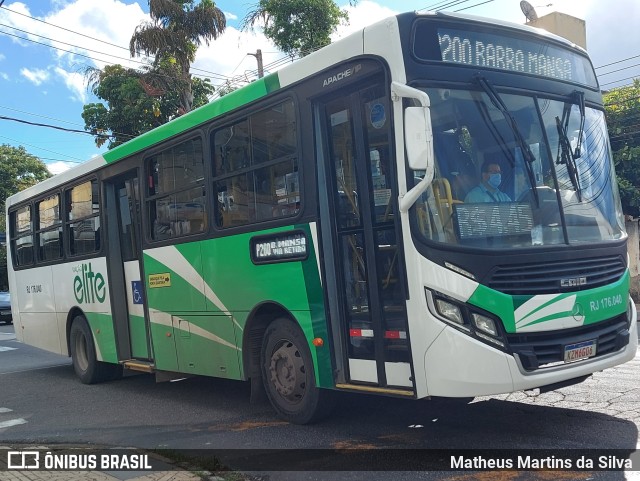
(73, 313)
(257, 321)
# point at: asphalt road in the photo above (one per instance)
(41, 401)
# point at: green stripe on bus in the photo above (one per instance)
(102, 328)
(237, 98)
(321, 354)
(209, 285)
(587, 307)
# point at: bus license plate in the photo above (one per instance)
(579, 351)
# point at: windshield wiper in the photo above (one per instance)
(566, 155)
(528, 156)
(580, 101)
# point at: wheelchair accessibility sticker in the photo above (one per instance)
(136, 289)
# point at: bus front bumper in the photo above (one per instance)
(457, 365)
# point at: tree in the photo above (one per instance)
(18, 170)
(176, 30)
(137, 101)
(297, 27)
(622, 107)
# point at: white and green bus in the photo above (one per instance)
(314, 231)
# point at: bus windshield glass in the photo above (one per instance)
(516, 171)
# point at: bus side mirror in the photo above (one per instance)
(418, 138)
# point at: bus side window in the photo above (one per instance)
(176, 194)
(256, 170)
(83, 218)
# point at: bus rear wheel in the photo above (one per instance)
(288, 375)
(83, 355)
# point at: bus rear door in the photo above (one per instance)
(125, 251)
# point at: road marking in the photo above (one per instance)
(5, 348)
(12, 422)
(5, 410)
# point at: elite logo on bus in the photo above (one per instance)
(88, 286)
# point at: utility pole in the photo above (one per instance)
(258, 56)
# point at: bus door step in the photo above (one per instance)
(376, 390)
(141, 366)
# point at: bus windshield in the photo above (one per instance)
(516, 171)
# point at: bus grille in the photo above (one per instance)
(556, 276)
(538, 350)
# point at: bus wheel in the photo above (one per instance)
(83, 354)
(288, 375)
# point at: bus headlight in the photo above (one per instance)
(466, 318)
(485, 324)
(449, 311)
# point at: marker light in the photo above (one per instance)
(318, 342)
(459, 270)
(449, 311)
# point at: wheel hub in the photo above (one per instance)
(287, 371)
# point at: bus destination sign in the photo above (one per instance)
(514, 54)
(286, 246)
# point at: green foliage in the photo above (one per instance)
(18, 170)
(136, 101)
(622, 106)
(176, 30)
(297, 27)
(140, 100)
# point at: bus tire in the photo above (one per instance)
(288, 375)
(83, 355)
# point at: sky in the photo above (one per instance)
(45, 45)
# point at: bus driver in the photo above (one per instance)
(489, 189)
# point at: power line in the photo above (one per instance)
(57, 127)
(476, 5)
(619, 70)
(220, 77)
(38, 115)
(620, 80)
(77, 161)
(433, 6)
(618, 61)
(450, 4)
(63, 28)
(214, 74)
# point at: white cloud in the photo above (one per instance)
(2, 57)
(227, 56)
(75, 82)
(35, 76)
(86, 17)
(230, 16)
(4, 76)
(59, 166)
(362, 14)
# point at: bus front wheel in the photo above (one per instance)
(83, 355)
(288, 375)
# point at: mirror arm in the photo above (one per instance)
(399, 91)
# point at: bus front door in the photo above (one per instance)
(365, 280)
(125, 247)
